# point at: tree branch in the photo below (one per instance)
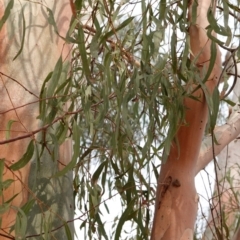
(224, 135)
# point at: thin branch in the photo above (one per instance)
(127, 55)
(224, 135)
(231, 13)
(13, 79)
(44, 128)
(24, 105)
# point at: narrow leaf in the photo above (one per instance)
(6, 13)
(98, 172)
(54, 78)
(173, 51)
(112, 32)
(9, 125)
(215, 101)
(68, 231)
(101, 226)
(23, 36)
(51, 20)
(212, 61)
(124, 218)
(25, 158)
(76, 149)
(83, 53)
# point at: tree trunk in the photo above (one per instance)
(176, 201)
(20, 85)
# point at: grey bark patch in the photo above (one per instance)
(187, 234)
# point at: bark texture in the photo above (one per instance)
(20, 84)
(176, 200)
(224, 134)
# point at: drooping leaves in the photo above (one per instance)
(25, 158)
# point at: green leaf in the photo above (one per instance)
(61, 132)
(112, 32)
(8, 130)
(215, 26)
(173, 51)
(83, 53)
(21, 224)
(51, 20)
(43, 100)
(98, 172)
(78, 5)
(162, 10)
(23, 35)
(124, 23)
(67, 231)
(76, 149)
(6, 184)
(6, 13)
(228, 101)
(25, 158)
(212, 20)
(124, 218)
(52, 83)
(11, 199)
(101, 228)
(4, 207)
(213, 38)
(155, 171)
(234, 7)
(212, 61)
(52, 110)
(216, 102)
(28, 206)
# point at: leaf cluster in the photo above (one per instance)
(120, 100)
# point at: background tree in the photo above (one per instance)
(32, 200)
(141, 79)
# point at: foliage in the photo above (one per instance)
(120, 100)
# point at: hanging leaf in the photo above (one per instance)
(124, 217)
(51, 20)
(212, 61)
(76, 149)
(8, 130)
(53, 81)
(23, 35)
(6, 14)
(25, 158)
(67, 231)
(112, 32)
(215, 109)
(98, 172)
(83, 53)
(21, 224)
(101, 226)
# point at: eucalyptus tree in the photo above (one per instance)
(132, 85)
(34, 58)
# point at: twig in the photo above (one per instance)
(30, 134)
